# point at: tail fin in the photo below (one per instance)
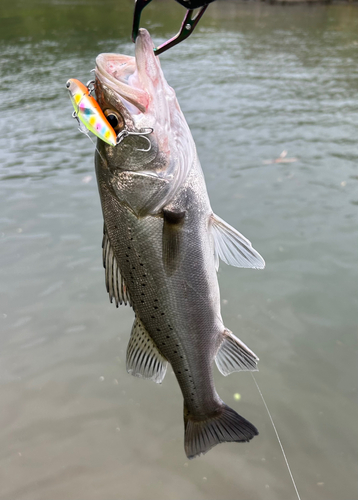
(225, 426)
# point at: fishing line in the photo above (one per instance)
(84, 131)
(268, 411)
(278, 437)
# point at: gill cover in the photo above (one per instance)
(138, 85)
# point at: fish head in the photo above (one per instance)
(135, 97)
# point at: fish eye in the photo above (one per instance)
(68, 84)
(114, 119)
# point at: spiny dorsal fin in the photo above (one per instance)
(172, 228)
(234, 356)
(114, 282)
(232, 247)
(143, 357)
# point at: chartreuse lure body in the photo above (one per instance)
(88, 111)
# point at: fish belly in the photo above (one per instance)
(179, 310)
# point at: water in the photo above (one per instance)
(253, 81)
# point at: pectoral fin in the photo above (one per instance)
(114, 281)
(143, 357)
(232, 247)
(172, 234)
(234, 356)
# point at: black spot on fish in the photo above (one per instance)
(173, 217)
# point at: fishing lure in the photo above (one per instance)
(88, 111)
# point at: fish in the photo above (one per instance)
(162, 244)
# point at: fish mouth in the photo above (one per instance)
(136, 88)
(115, 72)
(133, 79)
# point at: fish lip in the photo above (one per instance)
(115, 71)
(134, 79)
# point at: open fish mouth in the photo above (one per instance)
(137, 80)
(136, 89)
(116, 72)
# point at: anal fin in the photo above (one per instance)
(143, 357)
(234, 356)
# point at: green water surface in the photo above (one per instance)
(253, 81)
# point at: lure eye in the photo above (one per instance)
(114, 119)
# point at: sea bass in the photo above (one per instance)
(162, 244)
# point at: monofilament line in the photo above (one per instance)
(278, 437)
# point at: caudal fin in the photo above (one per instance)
(225, 426)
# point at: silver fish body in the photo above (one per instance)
(161, 247)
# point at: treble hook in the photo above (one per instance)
(75, 116)
(143, 132)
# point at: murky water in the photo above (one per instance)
(254, 81)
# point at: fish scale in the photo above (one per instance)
(162, 243)
(155, 297)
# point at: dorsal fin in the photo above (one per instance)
(114, 281)
(143, 357)
(232, 247)
(234, 356)
(172, 227)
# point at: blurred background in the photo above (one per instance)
(270, 93)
